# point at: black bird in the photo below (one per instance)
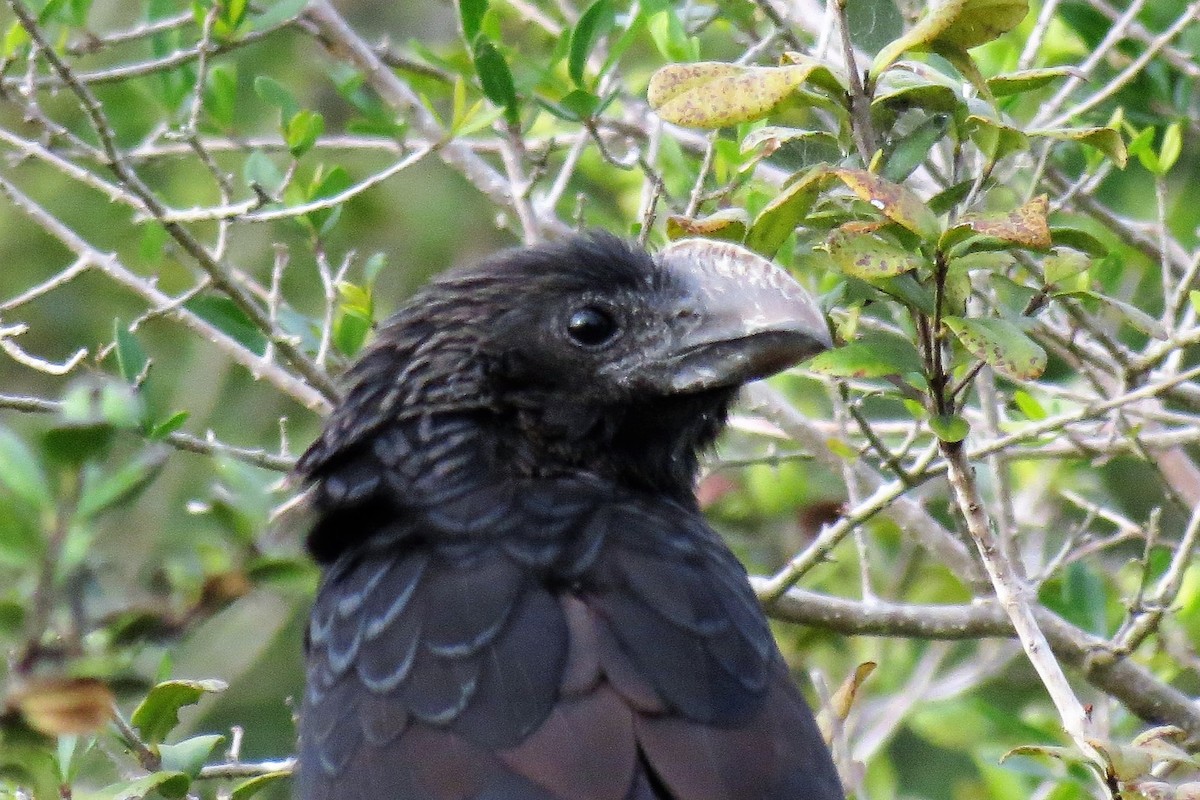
(521, 599)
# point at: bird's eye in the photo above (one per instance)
(591, 326)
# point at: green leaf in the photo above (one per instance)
(953, 25)
(1027, 80)
(224, 315)
(966, 66)
(1011, 298)
(302, 131)
(897, 202)
(949, 427)
(863, 255)
(247, 789)
(350, 332)
(1062, 263)
(189, 755)
(842, 449)
(21, 474)
(957, 290)
(780, 217)
(912, 85)
(909, 290)
(1001, 344)
(275, 93)
(100, 494)
(232, 13)
(22, 541)
(910, 151)
(1194, 299)
(221, 95)
(670, 37)
(1106, 140)
(496, 79)
(713, 94)
(162, 430)
(874, 355)
(581, 105)
(50, 11)
(375, 265)
(259, 170)
(167, 784)
(75, 444)
(774, 136)
(279, 12)
(158, 714)
(79, 12)
(948, 198)
(68, 747)
(356, 298)
(325, 184)
(1172, 146)
(93, 409)
(990, 260)
(996, 139)
(282, 572)
(595, 23)
(470, 15)
(1135, 316)
(101, 400)
(131, 358)
(15, 39)
(729, 224)
(1029, 405)
(1084, 598)
(1068, 754)
(1078, 239)
(822, 76)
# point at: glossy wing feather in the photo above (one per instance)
(580, 645)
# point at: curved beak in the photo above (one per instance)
(736, 317)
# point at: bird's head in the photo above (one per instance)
(588, 354)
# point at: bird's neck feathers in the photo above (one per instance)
(650, 444)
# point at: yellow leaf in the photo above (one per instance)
(66, 706)
(712, 94)
(895, 201)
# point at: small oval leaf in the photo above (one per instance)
(712, 94)
(594, 23)
(780, 217)
(1062, 263)
(1028, 80)
(1078, 239)
(874, 355)
(865, 256)
(949, 427)
(158, 713)
(1001, 344)
(1025, 226)
(954, 24)
(913, 85)
(1106, 140)
(1136, 317)
(495, 78)
(896, 202)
